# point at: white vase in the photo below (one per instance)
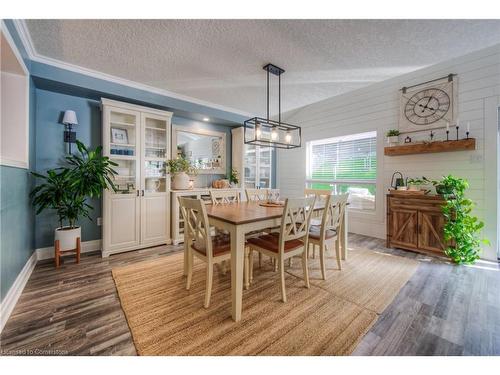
(67, 237)
(393, 140)
(180, 181)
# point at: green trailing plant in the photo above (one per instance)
(392, 133)
(418, 181)
(180, 164)
(67, 188)
(234, 177)
(462, 229)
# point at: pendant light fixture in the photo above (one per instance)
(271, 133)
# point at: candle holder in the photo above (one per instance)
(432, 135)
(457, 132)
(467, 135)
(447, 135)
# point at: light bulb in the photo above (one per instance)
(258, 132)
(288, 137)
(274, 134)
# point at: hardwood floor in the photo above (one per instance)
(442, 310)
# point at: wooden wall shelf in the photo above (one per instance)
(436, 146)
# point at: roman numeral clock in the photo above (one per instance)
(429, 105)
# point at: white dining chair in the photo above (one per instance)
(224, 196)
(203, 245)
(292, 239)
(329, 229)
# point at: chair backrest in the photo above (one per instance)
(196, 227)
(333, 212)
(296, 219)
(224, 196)
(256, 194)
(273, 194)
(317, 192)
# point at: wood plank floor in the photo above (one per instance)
(442, 310)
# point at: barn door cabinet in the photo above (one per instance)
(138, 139)
(416, 223)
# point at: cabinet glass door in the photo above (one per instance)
(265, 167)
(122, 148)
(155, 147)
(258, 161)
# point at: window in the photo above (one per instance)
(347, 165)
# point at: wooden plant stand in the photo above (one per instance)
(58, 253)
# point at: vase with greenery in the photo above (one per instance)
(417, 183)
(461, 231)
(234, 177)
(180, 169)
(66, 189)
(393, 136)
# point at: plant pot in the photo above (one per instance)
(67, 237)
(393, 140)
(442, 190)
(180, 181)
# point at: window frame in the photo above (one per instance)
(338, 139)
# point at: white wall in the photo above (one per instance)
(377, 108)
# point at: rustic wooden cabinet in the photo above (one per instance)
(415, 223)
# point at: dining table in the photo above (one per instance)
(245, 217)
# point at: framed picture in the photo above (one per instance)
(429, 105)
(119, 136)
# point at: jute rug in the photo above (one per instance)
(165, 319)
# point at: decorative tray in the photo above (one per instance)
(272, 204)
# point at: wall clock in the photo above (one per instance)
(428, 105)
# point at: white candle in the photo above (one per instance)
(447, 126)
(468, 126)
(458, 123)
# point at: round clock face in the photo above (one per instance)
(427, 106)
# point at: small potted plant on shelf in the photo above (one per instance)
(393, 137)
(234, 178)
(415, 184)
(180, 169)
(67, 188)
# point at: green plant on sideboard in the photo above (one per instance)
(180, 164)
(462, 229)
(233, 177)
(66, 189)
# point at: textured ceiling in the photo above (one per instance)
(220, 61)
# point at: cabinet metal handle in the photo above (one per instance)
(137, 192)
(142, 192)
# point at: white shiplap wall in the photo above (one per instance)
(377, 108)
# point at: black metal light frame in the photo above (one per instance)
(267, 123)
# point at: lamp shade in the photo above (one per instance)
(70, 118)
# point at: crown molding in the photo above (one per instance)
(24, 34)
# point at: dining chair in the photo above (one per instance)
(256, 194)
(203, 245)
(224, 196)
(292, 239)
(320, 195)
(329, 230)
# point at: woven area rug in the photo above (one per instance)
(165, 319)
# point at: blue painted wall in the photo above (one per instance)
(17, 219)
(51, 150)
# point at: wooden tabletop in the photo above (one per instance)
(243, 212)
(246, 212)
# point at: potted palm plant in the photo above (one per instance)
(180, 168)
(67, 188)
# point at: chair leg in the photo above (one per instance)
(208, 291)
(282, 278)
(305, 269)
(322, 260)
(224, 267)
(260, 260)
(275, 264)
(246, 269)
(290, 262)
(251, 266)
(314, 251)
(337, 252)
(189, 265)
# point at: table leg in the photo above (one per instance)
(343, 236)
(237, 259)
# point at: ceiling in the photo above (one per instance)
(220, 61)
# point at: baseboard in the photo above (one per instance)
(10, 300)
(87, 247)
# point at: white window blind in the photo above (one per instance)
(347, 165)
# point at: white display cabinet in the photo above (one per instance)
(138, 139)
